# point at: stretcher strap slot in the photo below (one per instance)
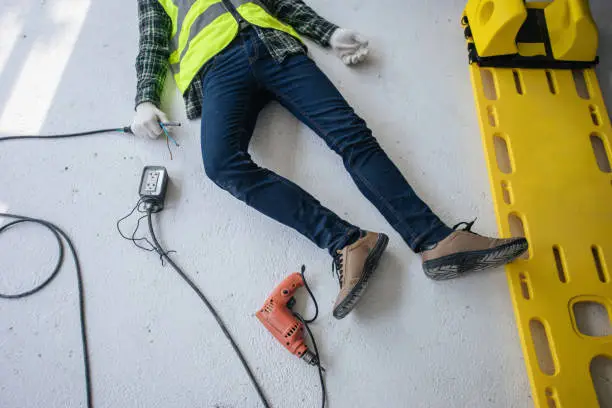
(492, 115)
(551, 397)
(594, 115)
(581, 85)
(552, 86)
(600, 265)
(517, 82)
(525, 288)
(600, 152)
(488, 84)
(542, 347)
(560, 263)
(502, 153)
(517, 229)
(506, 193)
(601, 374)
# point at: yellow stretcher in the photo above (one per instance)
(547, 140)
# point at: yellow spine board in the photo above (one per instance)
(551, 180)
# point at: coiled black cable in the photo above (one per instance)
(165, 254)
(58, 234)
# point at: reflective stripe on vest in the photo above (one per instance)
(203, 28)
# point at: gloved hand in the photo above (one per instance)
(349, 46)
(146, 121)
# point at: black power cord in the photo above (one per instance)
(165, 254)
(141, 208)
(305, 322)
(58, 234)
(125, 129)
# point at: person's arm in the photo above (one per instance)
(153, 51)
(155, 28)
(303, 19)
(348, 45)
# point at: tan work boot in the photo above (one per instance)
(464, 251)
(354, 264)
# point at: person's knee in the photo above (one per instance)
(350, 134)
(230, 172)
(356, 141)
(215, 169)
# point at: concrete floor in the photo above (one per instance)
(67, 65)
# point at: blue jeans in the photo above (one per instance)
(237, 84)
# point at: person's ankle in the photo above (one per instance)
(434, 238)
(352, 237)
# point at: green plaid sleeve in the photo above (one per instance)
(154, 49)
(304, 19)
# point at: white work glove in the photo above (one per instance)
(349, 46)
(146, 121)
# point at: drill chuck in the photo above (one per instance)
(310, 358)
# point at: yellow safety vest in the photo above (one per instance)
(203, 28)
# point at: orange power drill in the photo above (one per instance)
(278, 318)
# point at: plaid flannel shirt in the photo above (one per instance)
(154, 46)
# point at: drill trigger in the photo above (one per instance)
(291, 303)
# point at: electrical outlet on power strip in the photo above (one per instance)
(153, 186)
(151, 181)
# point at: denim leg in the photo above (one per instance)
(302, 88)
(232, 99)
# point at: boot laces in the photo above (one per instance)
(467, 226)
(337, 268)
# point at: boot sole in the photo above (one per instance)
(369, 267)
(455, 265)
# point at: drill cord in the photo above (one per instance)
(305, 322)
(209, 306)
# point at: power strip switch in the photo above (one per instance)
(153, 186)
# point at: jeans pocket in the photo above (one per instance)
(206, 71)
